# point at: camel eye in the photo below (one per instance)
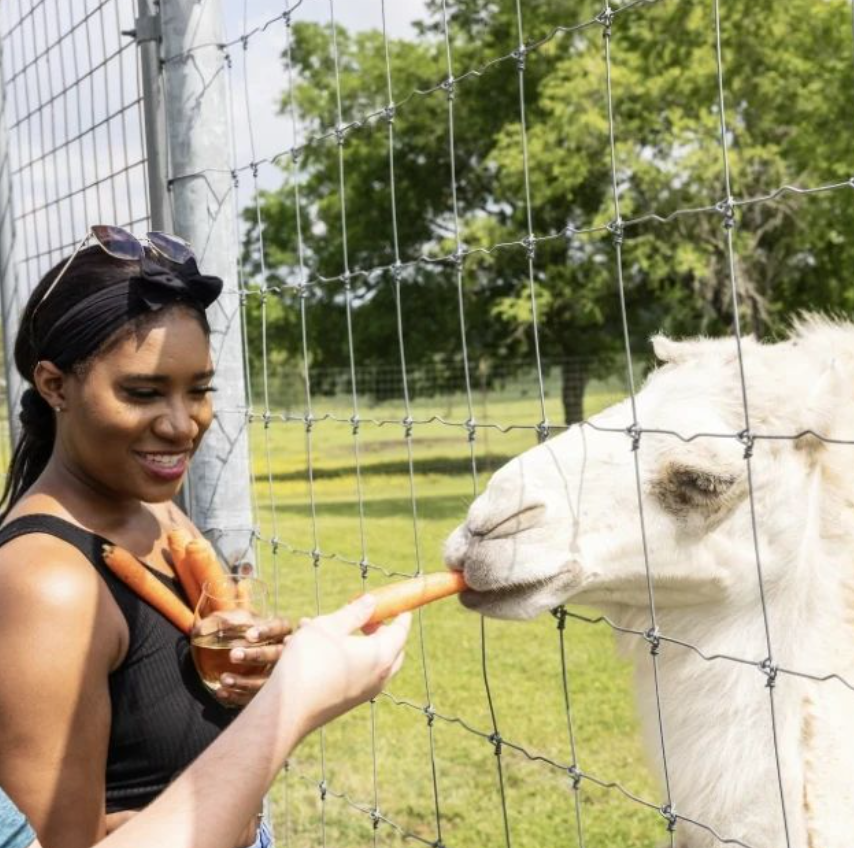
(682, 489)
(702, 485)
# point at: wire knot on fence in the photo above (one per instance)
(746, 438)
(653, 636)
(770, 670)
(668, 811)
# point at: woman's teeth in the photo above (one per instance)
(167, 460)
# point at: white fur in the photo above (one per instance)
(561, 523)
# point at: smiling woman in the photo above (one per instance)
(108, 709)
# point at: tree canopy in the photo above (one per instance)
(788, 74)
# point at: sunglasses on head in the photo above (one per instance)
(121, 244)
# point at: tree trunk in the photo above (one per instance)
(575, 373)
(757, 324)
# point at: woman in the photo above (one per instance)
(101, 707)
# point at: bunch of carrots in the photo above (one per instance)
(196, 564)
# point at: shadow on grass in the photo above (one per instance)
(430, 465)
(430, 508)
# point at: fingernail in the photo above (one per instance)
(255, 633)
(238, 654)
(227, 680)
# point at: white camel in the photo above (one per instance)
(561, 523)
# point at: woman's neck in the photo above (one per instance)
(81, 497)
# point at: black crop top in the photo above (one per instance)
(162, 715)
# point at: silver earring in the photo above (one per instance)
(59, 409)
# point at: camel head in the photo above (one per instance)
(562, 521)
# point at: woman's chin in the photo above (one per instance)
(151, 490)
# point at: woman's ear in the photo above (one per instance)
(50, 383)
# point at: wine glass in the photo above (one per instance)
(227, 608)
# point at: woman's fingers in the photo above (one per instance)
(239, 689)
(273, 630)
(388, 643)
(395, 668)
(350, 617)
(262, 656)
(393, 636)
(233, 699)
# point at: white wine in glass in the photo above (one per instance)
(227, 608)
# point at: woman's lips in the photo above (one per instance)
(163, 466)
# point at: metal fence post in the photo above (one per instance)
(198, 148)
(147, 35)
(12, 300)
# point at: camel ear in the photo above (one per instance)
(677, 352)
(665, 349)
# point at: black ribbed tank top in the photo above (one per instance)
(162, 715)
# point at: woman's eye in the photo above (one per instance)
(141, 394)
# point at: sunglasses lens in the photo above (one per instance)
(171, 247)
(118, 242)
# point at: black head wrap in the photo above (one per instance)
(89, 323)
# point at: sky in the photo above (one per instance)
(83, 80)
(265, 73)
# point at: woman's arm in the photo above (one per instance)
(59, 638)
(323, 672)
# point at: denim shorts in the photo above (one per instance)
(264, 839)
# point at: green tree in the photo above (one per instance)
(788, 76)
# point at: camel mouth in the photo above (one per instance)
(522, 600)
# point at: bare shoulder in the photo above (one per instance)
(44, 565)
(45, 582)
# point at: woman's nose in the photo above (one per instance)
(177, 425)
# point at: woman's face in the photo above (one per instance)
(133, 421)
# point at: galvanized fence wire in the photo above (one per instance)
(394, 271)
(495, 736)
(768, 663)
(73, 116)
(667, 809)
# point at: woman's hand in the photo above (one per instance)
(237, 690)
(329, 671)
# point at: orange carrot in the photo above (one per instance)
(178, 539)
(410, 594)
(134, 574)
(200, 559)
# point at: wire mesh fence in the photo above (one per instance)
(74, 118)
(73, 148)
(496, 733)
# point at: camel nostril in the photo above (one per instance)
(498, 527)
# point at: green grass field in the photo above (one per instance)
(523, 659)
